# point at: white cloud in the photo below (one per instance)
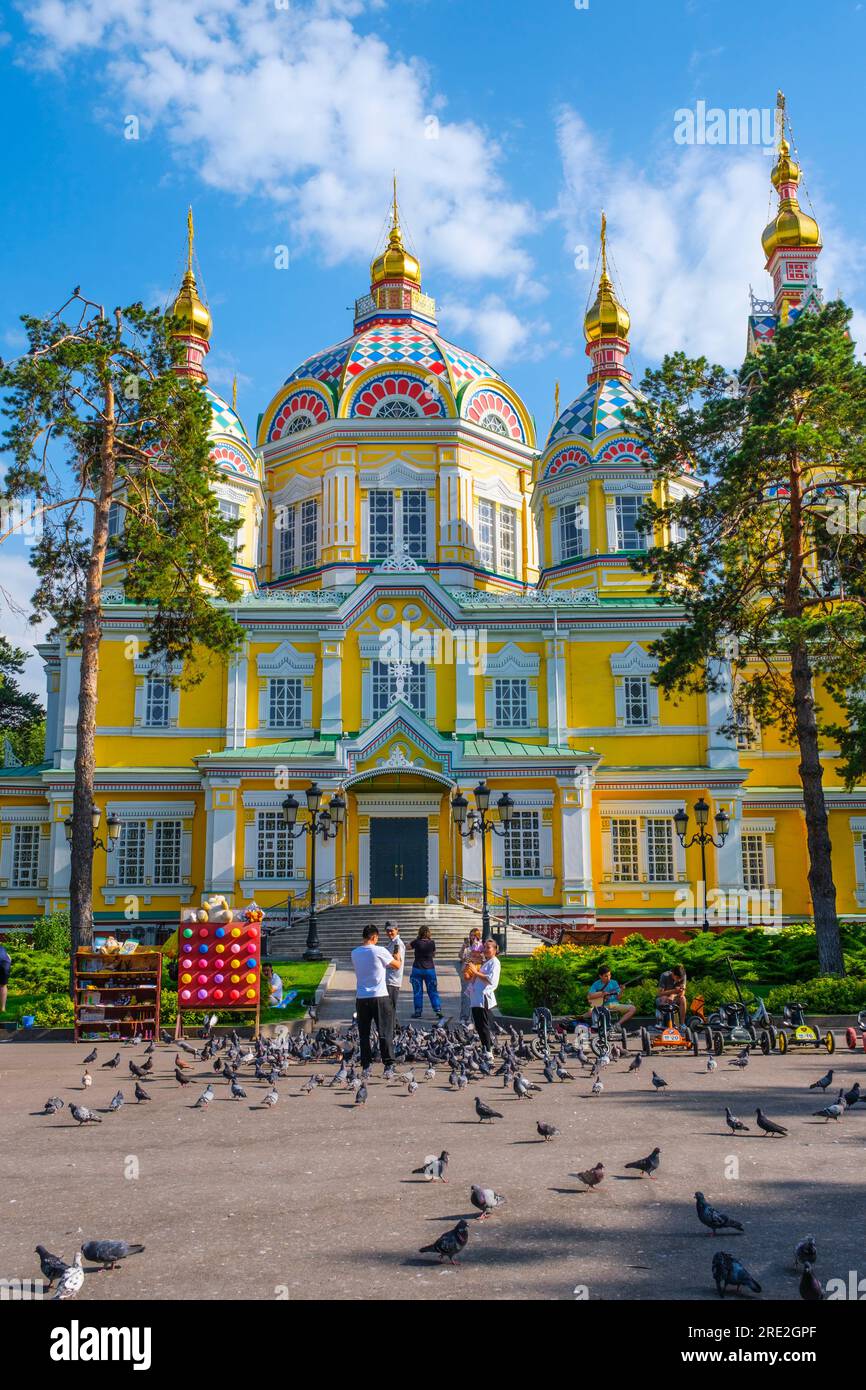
(17, 584)
(299, 106)
(686, 238)
(497, 333)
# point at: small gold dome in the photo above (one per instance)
(785, 170)
(791, 226)
(607, 318)
(194, 315)
(395, 262)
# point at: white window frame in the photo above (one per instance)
(157, 705)
(286, 695)
(494, 553)
(232, 511)
(152, 884)
(171, 830)
(285, 662)
(530, 860)
(642, 818)
(269, 824)
(146, 669)
(634, 662)
(32, 833)
(766, 857)
(370, 647)
(510, 663)
(383, 687)
(297, 540)
(613, 491)
(571, 516)
(121, 873)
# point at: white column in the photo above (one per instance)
(555, 652)
(236, 703)
(729, 858)
(363, 857)
(221, 805)
(576, 805)
(69, 708)
(465, 721)
(332, 677)
(434, 884)
(472, 859)
(338, 519)
(721, 748)
(59, 863)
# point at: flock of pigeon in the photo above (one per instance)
(455, 1051)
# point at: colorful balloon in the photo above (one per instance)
(220, 931)
(187, 931)
(202, 994)
(185, 979)
(185, 994)
(217, 994)
(236, 931)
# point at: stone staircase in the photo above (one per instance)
(340, 930)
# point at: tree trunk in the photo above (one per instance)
(821, 885)
(81, 869)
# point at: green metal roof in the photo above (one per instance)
(271, 752)
(31, 770)
(508, 748)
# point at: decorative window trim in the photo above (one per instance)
(640, 816)
(181, 811)
(152, 668)
(397, 479)
(581, 507)
(768, 852)
(634, 661)
(285, 662)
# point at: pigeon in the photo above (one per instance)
(484, 1112)
(71, 1280)
(835, 1111)
(486, 1200)
(205, 1098)
(430, 1073)
(137, 1071)
(769, 1126)
(734, 1125)
(86, 1080)
(636, 1062)
(711, 1064)
(658, 1081)
(113, 1062)
(727, 1270)
(741, 1060)
(433, 1168)
(52, 1105)
(116, 1101)
(449, 1245)
(563, 1073)
(412, 1087)
(91, 1057)
(810, 1287)
(522, 1088)
(141, 1093)
(237, 1091)
(271, 1098)
(546, 1131)
(854, 1095)
(714, 1220)
(180, 1078)
(806, 1252)
(361, 1095)
(823, 1082)
(108, 1253)
(180, 1064)
(83, 1115)
(51, 1265)
(647, 1165)
(591, 1177)
(597, 1087)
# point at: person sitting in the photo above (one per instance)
(672, 991)
(606, 990)
(275, 986)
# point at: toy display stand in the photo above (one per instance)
(219, 962)
(116, 994)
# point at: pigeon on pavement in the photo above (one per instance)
(714, 1220)
(727, 1270)
(433, 1167)
(271, 1098)
(486, 1200)
(711, 1064)
(823, 1082)
(658, 1081)
(647, 1165)
(834, 1111)
(140, 1092)
(591, 1177)
(116, 1101)
(51, 1265)
(86, 1080)
(91, 1057)
(237, 1090)
(52, 1105)
(449, 1245)
(205, 1098)
(83, 1115)
(636, 1062)
(180, 1078)
(71, 1280)
(597, 1087)
(769, 1126)
(113, 1061)
(361, 1095)
(522, 1088)
(484, 1112)
(734, 1125)
(810, 1287)
(806, 1252)
(108, 1253)
(546, 1131)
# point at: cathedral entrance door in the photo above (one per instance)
(398, 858)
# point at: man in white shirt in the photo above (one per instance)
(483, 980)
(395, 979)
(372, 1002)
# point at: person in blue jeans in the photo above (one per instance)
(424, 973)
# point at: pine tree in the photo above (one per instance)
(95, 407)
(20, 712)
(767, 578)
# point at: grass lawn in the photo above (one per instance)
(303, 975)
(18, 1004)
(510, 998)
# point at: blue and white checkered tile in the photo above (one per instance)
(324, 366)
(224, 420)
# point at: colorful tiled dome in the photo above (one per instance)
(225, 420)
(597, 411)
(395, 345)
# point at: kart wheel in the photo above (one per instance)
(771, 1032)
(851, 1038)
(782, 1041)
(645, 1043)
(830, 1042)
(714, 1021)
(687, 1034)
(624, 1041)
(708, 1038)
(766, 1045)
(718, 1044)
(695, 1044)
(536, 1048)
(753, 1034)
(597, 1047)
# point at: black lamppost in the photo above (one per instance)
(476, 821)
(702, 838)
(325, 822)
(114, 829)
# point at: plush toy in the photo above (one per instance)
(218, 910)
(253, 913)
(110, 946)
(201, 915)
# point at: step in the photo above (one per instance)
(340, 929)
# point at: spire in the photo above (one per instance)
(196, 323)
(395, 265)
(606, 325)
(235, 393)
(792, 240)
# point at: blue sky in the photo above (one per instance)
(281, 121)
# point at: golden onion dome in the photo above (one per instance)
(188, 307)
(607, 318)
(395, 262)
(791, 226)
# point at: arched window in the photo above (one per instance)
(399, 409)
(494, 423)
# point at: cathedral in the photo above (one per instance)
(435, 597)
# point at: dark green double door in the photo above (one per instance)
(398, 858)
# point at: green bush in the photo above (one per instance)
(549, 981)
(53, 933)
(38, 971)
(826, 994)
(54, 1011)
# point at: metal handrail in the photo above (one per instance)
(502, 906)
(330, 894)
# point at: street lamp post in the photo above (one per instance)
(113, 824)
(324, 821)
(703, 837)
(477, 821)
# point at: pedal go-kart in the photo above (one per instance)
(796, 1032)
(603, 1031)
(851, 1034)
(665, 1035)
(549, 1032)
(744, 1023)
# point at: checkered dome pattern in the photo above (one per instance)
(224, 420)
(383, 344)
(598, 411)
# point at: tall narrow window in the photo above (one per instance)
(309, 533)
(274, 846)
(115, 520)
(629, 535)
(25, 856)
(522, 846)
(414, 509)
(511, 704)
(286, 519)
(754, 862)
(636, 701)
(625, 863)
(507, 540)
(485, 534)
(230, 511)
(157, 702)
(284, 703)
(570, 532)
(381, 503)
(167, 840)
(659, 849)
(129, 865)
